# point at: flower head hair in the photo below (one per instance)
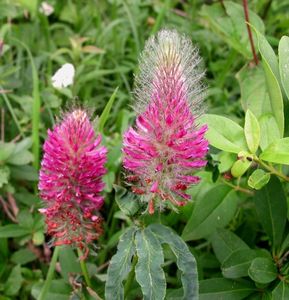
(71, 181)
(166, 145)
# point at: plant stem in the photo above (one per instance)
(271, 169)
(50, 274)
(130, 278)
(246, 12)
(83, 268)
(239, 188)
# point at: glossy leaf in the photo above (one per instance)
(271, 207)
(185, 260)
(214, 210)
(252, 131)
(262, 270)
(224, 133)
(225, 242)
(258, 179)
(148, 271)
(225, 289)
(240, 167)
(277, 152)
(238, 263)
(283, 52)
(120, 266)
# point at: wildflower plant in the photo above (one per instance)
(161, 154)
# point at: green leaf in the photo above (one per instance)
(262, 270)
(271, 207)
(6, 149)
(224, 133)
(230, 25)
(4, 175)
(214, 210)
(238, 263)
(14, 282)
(105, 113)
(283, 52)
(254, 94)
(148, 270)
(120, 266)
(240, 167)
(269, 130)
(225, 289)
(185, 260)
(258, 179)
(281, 291)
(23, 256)
(13, 230)
(252, 131)
(277, 152)
(69, 262)
(225, 242)
(270, 65)
(126, 201)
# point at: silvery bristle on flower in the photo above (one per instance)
(169, 59)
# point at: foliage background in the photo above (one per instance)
(103, 39)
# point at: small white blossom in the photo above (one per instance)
(63, 76)
(46, 9)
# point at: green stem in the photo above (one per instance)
(238, 188)
(130, 277)
(271, 169)
(84, 268)
(50, 274)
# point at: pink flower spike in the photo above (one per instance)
(70, 181)
(166, 145)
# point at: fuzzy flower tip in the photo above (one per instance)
(71, 181)
(165, 147)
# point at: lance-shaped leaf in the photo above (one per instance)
(120, 266)
(185, 260)
(284, 63)
(252, 131)
(271, 208)
(148, 270)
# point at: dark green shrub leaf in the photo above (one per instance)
(225, 289)
(258, 179)
(185, 260)
(120, 266)
(214, 210)
(277, 152)
(225, 242)
(252, 131)
(262, 270)
(271, 207)
(148, 270)
(224, 133)
(126, 201)
(238, 263)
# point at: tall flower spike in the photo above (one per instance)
(71, 181)
(166, 145)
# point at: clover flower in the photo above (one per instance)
(166, 146)
(71, 181)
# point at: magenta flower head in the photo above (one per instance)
(166, 146)
(71, 181)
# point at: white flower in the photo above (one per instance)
(46, 9)
(63, 76)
